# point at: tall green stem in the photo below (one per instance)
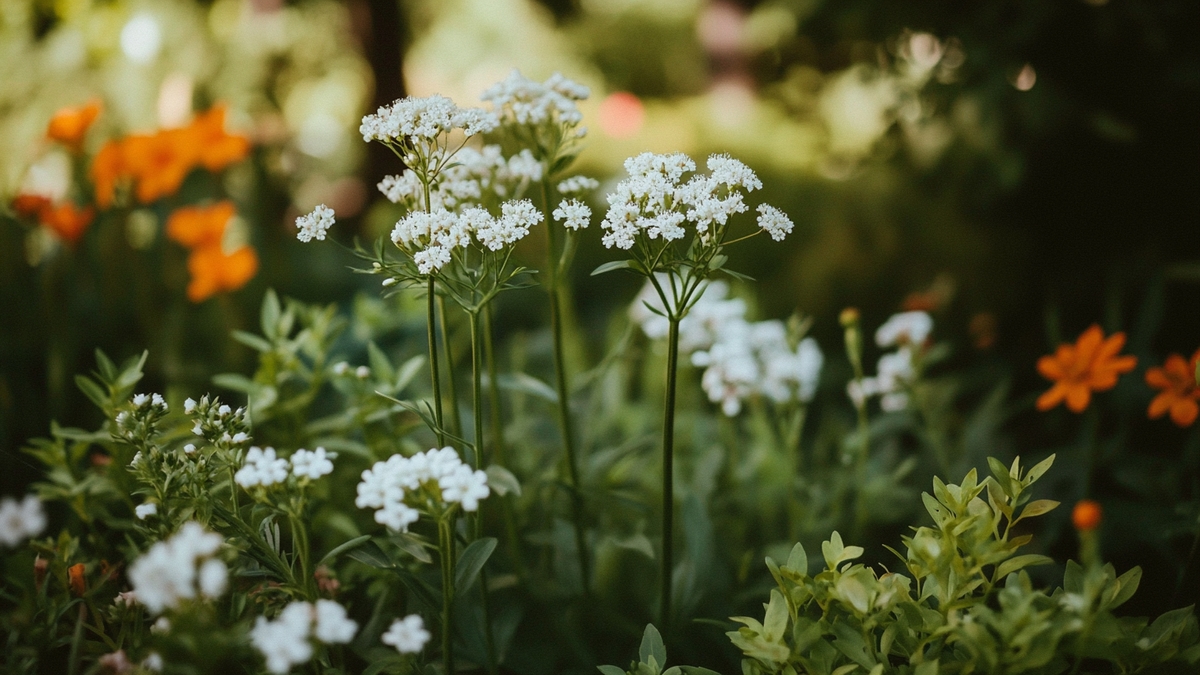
(668, 487)
(564, 392)
(451, 389)
(476, 387)
(433, 361)
(446, 549)
(498, 447)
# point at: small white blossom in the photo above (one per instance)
(213, 578)
(125, 598)
(284, 642)
(189, 448)
(519, 100)
(775, 222)
(167, 573)
(576, 186)
(140, 400)
(158, 400)
(161, 625)
(224, 410)
(312, 465)
(362, 372)
(427, 118)
(20, 520)
(314, 225)
(239, 437)
(332, 624)
(261, 467)
(574, 214)
(189, 406)
(153, 662)
(905, 328)
(407, 635)
(465, 487)
(144, 511)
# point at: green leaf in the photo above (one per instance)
(1126, 586)
(93, 391)
(610, 266)
(235, 382)
(1037, 508)
(527, 384)
(408, 371)
(798, 559)
(369, 553)
(411, 545)
(269, 317)
(338, 550)
(776, 619)
(108, 369)
(652, 646)
(131, 370)
(471, 562)
(1020, 562)
(252, 341)
(1000, 473)
(610, 670)
(381, 367)
(502, 481)
(1039, 469)
(927, 668)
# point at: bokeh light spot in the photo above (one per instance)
(621, 115)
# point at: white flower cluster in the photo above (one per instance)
(472, 175)
(314, 225)
(385, 485)
(755, 359)
(407, 635)
(148, 409)
(577, 186)
(655, 202)
(518, 99)
(430, 238)
(179, 568)
(426, 119)
(216, 422)
(698, 329)
(287, 641)
(20, 520)
(263, 467)
(144, 511)
(895, 371)
(574, 214)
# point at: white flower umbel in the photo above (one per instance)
(314, 225)
(311, 464)
(774, 222)
(905, 328)
(428, 118)
(179, 569)
(287, 641)
(698, 330)
(407, 635)
(573, 214)
(577, 186)
(756, 359)
(440, 475)
(520, 100)
(20, 520)
(261, 467)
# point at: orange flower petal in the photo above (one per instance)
(1157, 377)
(67, 221)
(1184, 411)
(1052, 397)
(108, 168)
(195, 226)
(1051, 368)
(1078, 397)
(1089, 343)
(70, 125)
(217, 149)
(1159, 405)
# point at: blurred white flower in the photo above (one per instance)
(311, 464)
(20, 520)
(144, 511)
(407, 635)
(167, 574)
(911, 328)
(261, 467)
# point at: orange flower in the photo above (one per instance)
(108, 168)
(1177, 380)
(160, 162)
(1091, 364)
(75, 577)
(197, 226)
(29, 204)
(67, 220)
(214, 271)
(1087, 515)
(217, 149)
(69, 125)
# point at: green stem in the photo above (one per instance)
(498, 448)
(446, 549)
(477, 412)
(451, 388)
(668, 487)
(433, 362)
(564, 393)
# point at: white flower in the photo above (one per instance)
(284, 642)
(213, 578)
(162, 625)
(20, 520)
(314, 225)
(167, 573)
(519, 100)
(911, 328)
(262, 467)
(525, 166)
(239, 437)
(140, 400)
(312, 464)
(574, 214)
(425, 118)
(153, 662)
(407, 635)
(332, 624)
(189, 406)
(224, 410)
(465, 487)
(732, 173)
(125, 598)
(341, 368)
(144, 511)
(699, 327)
(775, 222)
(158, 400)
(189, 448)
(577, 186)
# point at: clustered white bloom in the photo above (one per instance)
(895, 372)
(385, 485)
(577, 186)
(144, 511)
(287, 641)
(655, 202)
(314, 225)
(407, 635)
(698, 329)
(750, 359)
(472, 175)
(179, 568)
(20, 520)
(518, 99)
(424, 118)
(141, 422)
(216, 422)
(431, 238)
(574, 214)
(263, 467)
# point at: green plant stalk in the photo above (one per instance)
(498, 447)
(477, 412)
(668, 459)
(433, 361)
(564, 392)
(451, 389)
(854, 352)
(446, 552)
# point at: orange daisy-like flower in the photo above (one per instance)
(1177, 380)
(217, 149)
(1091, 364)
(67, 220)
(69, 125)
(160, 162)
(214, 271)
(197, 226)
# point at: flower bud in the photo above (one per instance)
(1087, 515)
(76, 580)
